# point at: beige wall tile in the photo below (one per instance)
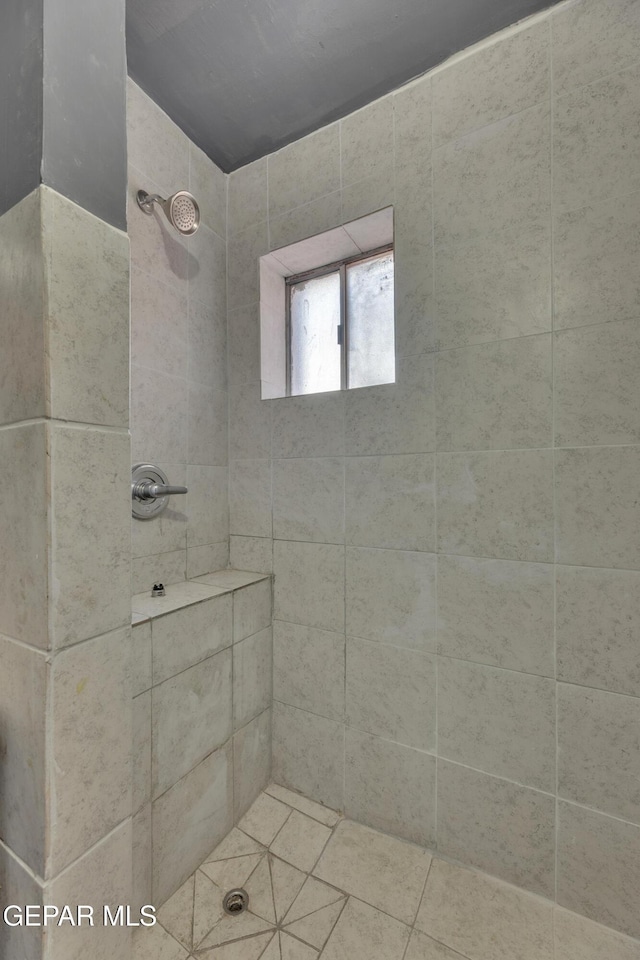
(22, 364)
(596, 384)
(23, 694)
(599, 750)
(304, 171)
(462, 908)
(391, 597)
(250, 498)
(164, 568)
(412, 120)
(390, 787)
(309, 426)
(207, 345)
(185, 637)
(494, 179)
(19, 887)
(252, 762)
(102, 876)
(577, 938)
(156, 146)
(309, 584)
(495, 395)
(366, 196)
(207, 411)
(141, 751)
(249, 423)
(251, 553)
(309, 669)
(207, 558)
(493, 82)
(494, 288)
(595, 140)
(597, 628)
(244, 344)
(390, 502)
(159, 319)
(87, 275)
(141, 677)
(497, 504)
(393, 418)
(244, 251)
(598, 867)
(209, 186)
(596, 506)
(247, 195)
(497, 612)
(191, 717)
(207, 265)
(591, 39)
(252, 609)
(156, 438)
(366, 140)
(309, 500)
(595, 249)
(207, 504)
(189, 820)
(142, 858)
(308, 754)
(252, 672)
(306, 221)
(500, 827)
(413, 264)
(391, 692)
(89, 764)
(24, 532)
(498, 721)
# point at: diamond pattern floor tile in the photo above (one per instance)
(358, 901)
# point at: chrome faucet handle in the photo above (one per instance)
(150, 491)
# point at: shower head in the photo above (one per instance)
(181, 209)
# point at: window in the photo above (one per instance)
(340, 329)
(327, 310)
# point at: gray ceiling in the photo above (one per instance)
(245, 77)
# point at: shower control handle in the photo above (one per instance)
(148, 490)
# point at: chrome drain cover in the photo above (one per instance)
(235, 902)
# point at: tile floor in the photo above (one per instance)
(323, 887)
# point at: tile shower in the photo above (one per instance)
(454, 559)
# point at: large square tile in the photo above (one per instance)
(309, 584)
(599, 867)
(384, 872)
(363, 933)
(252, 674)
(496, 504)
(597, 510)
(308, 754)
(390, 787)
(483, 918)
(308, 669)
(498, 721)
(391, 597)
(184, 637)
(498, 826)
(308, 500)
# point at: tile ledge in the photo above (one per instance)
(189, 592)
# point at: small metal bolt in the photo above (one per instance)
(158, 590)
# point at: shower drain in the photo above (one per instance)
(235, 902)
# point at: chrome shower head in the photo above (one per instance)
(181, 209)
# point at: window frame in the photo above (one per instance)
(337, 266)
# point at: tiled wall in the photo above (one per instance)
(178, 350)
(456, 556)
(65, 705)
(201, 726)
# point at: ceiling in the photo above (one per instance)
(245, 77)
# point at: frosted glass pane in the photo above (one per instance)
(315, 352)
(371, 355)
